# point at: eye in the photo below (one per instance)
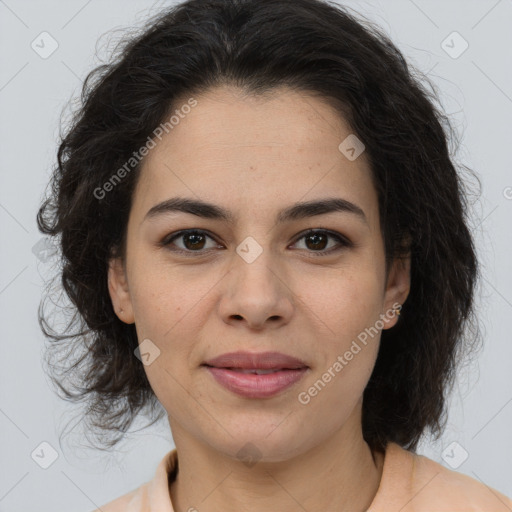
(317, 241)
(195, 241)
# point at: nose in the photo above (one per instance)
(257, 293)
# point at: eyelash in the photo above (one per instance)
(343, 241)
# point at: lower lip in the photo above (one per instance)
(252, 385)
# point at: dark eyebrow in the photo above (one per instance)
(295, 212)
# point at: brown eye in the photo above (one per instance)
(195, 241)
(192, 241)
(317, 241)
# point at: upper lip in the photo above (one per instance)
(253, 360)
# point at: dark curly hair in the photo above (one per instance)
(258, 45)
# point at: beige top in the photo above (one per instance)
(409, 483)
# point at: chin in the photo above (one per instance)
(270, 442)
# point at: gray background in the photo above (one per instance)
(476, 91)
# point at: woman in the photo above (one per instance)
(262, 231)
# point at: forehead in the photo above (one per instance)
(227, 116)
(245, 150)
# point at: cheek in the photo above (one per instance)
(163, 296)
(165, 312)
(349, 305)
(346, 301)
(350, 308)
(170, 309)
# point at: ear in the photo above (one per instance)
(397, 289)
(119, 291)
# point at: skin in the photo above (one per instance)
(255, 156)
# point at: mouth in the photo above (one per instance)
(253, 375)
(256, 361)
(256, 371)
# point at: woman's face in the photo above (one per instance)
(256, 282)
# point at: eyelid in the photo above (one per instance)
(333, 234)
(167, 240)
(343, 241)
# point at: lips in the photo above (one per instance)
(253, 375)
(256, 361)
(257, 371)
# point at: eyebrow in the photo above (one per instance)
(296, 211)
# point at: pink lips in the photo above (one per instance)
(242, 372)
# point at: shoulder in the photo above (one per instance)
(133, 501)
(457, 488)
(153, 495)
(415, 483)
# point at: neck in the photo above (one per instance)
(340, 473)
